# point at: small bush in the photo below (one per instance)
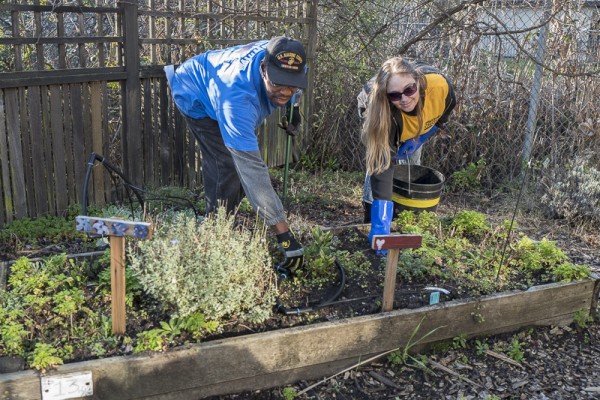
(209, 267)
(468, 179)
(470, 224)
(574, 193)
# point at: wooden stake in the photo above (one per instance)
(116, 230)
(393, 244)
(389, 284)
(117, 283)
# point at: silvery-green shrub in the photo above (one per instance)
(574, 193)
(211, 267)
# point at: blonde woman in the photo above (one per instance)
(402, 106)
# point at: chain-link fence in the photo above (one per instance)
(527, 79)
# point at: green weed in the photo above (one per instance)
(582, 318)
(44, 357)
(469, 178)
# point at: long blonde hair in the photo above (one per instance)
(378, 122)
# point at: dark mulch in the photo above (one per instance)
(558, 363)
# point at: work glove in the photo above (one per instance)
(411, 145)
(292, 251)
(381, 218)
(292, 119)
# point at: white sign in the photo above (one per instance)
(67, 386)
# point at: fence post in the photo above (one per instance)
(132, 103)
(535, 90)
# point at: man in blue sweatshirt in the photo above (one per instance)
(225, 96)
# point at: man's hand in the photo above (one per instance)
(291, 127)
(293, 253)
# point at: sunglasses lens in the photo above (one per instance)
(410, 90)
(397, 96)
(394, 96)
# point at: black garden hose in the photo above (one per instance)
(300, 310)
(136, 190)
(107, 165)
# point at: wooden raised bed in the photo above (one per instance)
(276, 358)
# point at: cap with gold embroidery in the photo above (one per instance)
(285, 60)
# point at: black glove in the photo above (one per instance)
(292, 251)
(291, 127)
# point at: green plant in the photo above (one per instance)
(469, 178)
(32, 232)
(133, 286)
(516, 351)
(197, 325)
(403, 355)
(44, 356)
(211, 267)
(12, 336)
(288, 393)
(152, 340)
(470, 224)
(567, 272)
(459, 342)
(319, 254)
(481, 347)
(534, 256)
(51, 299)
(583, 318)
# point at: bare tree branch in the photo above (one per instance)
(443, 17)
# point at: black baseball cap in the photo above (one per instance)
(285, 60)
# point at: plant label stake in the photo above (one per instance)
(393, 244)
(116, 229)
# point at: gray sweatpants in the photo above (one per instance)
(230, 174)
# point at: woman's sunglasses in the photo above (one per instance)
(397, 96)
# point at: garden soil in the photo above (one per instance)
(547, 362)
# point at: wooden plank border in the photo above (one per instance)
(276, 358)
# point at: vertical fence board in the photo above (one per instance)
(15, 152)
(86, 118)
(105, 133)
(26, 144)
(68, 138)
(6, 211)
(192, 178)
(17, 51)
(37, 161)
(47, 147)
(58, 149)
(179, 156)
(165, 128)
(156, 131)
(39, 48)
(79, 152)
(97, 142)
(147, 129)
(132, 146)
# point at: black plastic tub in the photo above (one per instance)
(417, 188)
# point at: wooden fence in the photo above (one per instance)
(77, 79)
